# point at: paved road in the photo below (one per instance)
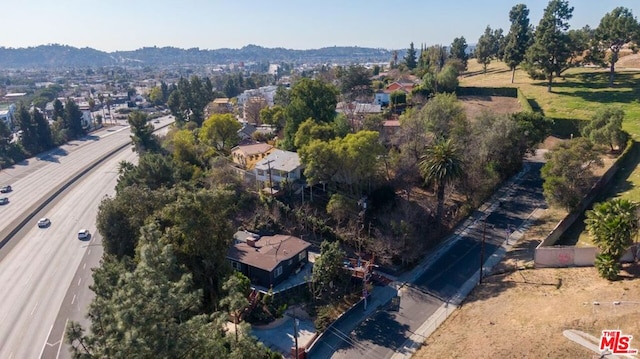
(76, 293)
(434, 284)
(44, 273)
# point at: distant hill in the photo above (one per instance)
(56, 56)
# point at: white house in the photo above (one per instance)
(266, 92)
(382, 98)
(7, 115)
(278, 166)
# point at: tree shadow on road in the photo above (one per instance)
(382, 329)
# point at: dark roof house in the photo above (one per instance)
(267, 260)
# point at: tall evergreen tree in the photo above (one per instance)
(410, 57)
(551, 51)
(142, 134)
(42, 131)
(518, 39)
(29, 137)
(485, 48)
(73, 118)
(58, 111)
(459, 50)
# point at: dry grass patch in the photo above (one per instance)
(523, 314)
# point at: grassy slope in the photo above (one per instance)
(572, 100)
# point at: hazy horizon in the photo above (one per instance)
(120, 25)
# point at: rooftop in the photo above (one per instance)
(253, 149)
(267, 252)
(280, 160)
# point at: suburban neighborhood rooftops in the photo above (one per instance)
(267, 252)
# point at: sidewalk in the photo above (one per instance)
(341, 331)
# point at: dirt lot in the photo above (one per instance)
(475, 105)
(523, 315)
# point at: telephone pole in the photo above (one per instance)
(484, 231)
(268, 163)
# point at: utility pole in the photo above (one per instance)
(484, 231)
(270, 181)
(295, 333)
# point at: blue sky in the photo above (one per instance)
(111, 25)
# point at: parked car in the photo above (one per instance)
(4, 200)
(44, 222)
(6, 189)
(83, 234)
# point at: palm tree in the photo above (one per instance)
(612, 225)
(441, 165)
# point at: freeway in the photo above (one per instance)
(38, 271)
(39, 266)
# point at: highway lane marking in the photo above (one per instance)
(34, 308)
(46, 342)
(84, 266)
(89, 252)
(74, 299)
(79, 280)
(60, 341)
(10, 355)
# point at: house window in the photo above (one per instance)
(302, 255)
(277, 272)
(236, 265)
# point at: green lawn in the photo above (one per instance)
(573, 99)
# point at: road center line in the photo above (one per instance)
(79, 281)
(74, 299)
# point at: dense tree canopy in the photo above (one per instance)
(349, 163)
(152, 311)
(605, 128)
(308, 99)
(188, 101)
(355, 83)
(568, 175)
(220, 131)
